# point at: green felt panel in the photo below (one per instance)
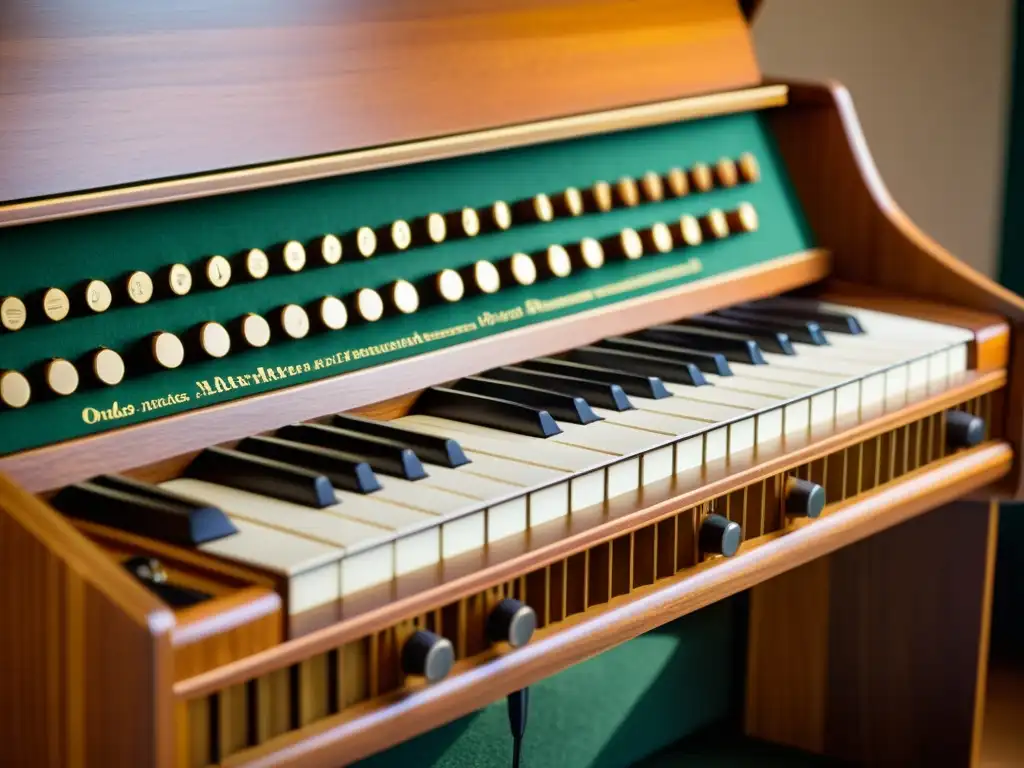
(611, 711)
(63, 253)
(725, 749)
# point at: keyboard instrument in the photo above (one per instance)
(332, 450)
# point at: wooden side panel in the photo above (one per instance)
(91, 96)
(85, 658)
(896, 676)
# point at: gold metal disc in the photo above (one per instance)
(369, 305)
(218, 271)
(330, 249)
(97, 296)
(726, 173)
(437, 230)
(661, 237)
(652, 187)
(749, 169)
(449, 284)
(558, 262)
(257, 265)
(255, 330)
(522, 268)
(179, 279)
(214, 339)
(677, 183)
(294, 321)
(689, 230)
(602, 195)
(168, 351)
(56, 304)
(715, 224)
(294, 256)
(591, 252)
(501, 215)
(401, 235)
(366, 242)
(486, 277)
(12, 313)
(701, 177)
(632, 245)
(470, 222)
(107, 367)
(140, 287)
(61, 376)
(15, 391)
(404, 297)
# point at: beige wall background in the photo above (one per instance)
(930, 79)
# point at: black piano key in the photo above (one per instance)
(486, 411)
(435, 450)
(569, 408)
(170, 520)
(769, 339)
(383, 455)
(266, 477)
(804, 331)
(345, 471)
(828, 319)
(631, 383)
(735, 347)
(642, 363)
(600, 394)
(708, 362)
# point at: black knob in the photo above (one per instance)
(512, 622)
(963, 430)
(719, 536)
(429, 655)
(804, 498)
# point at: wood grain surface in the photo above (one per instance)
(101, 94)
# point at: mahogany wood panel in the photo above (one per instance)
(880, 650)
(93, 95)
(56, 465)
(347, 737)
(85, 653)
(873, 241)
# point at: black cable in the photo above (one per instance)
(518, 707)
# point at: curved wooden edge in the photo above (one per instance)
(120, 450)
(873, 241)
(345, 738)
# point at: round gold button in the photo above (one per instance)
(501, 215)
(61, 376)
(12, 313)
(167, 350)
(660, 238)
(366, 242)
(179, 279)
(56, 304)
(214, 339)
(749, 169)
(557, 262)
(331, 313)
(437, 230)
(542, 208)
(404, 297)
(714, 224)
(107, 367)
(329, 247)
(701, 177)
(97, 296)
(570, 202)
(627, 192)
(140, 287)
(15, 391)
(631, 244)
(470, 221)
(218, 271)
(369, 305)
(449, 284)
(591, 253)
(294, 321)
(257, 265)
(522, 269)
(689, 230)
(601, 196)
(486, 277)
(726, 174)
(255, 330)
(677, 183)
(652, 187)
(293, 254)
(401, 235)
(743, 219)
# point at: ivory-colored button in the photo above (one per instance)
(366, 242)
(97, 296)
(626, 192)
(369, 305)
(139, 287)
(56, 304)
(294, 321)
(331, 313)
(449, 285)
(569, 202)
(255, 330)
(257, 264)
(404, 296)
(214, 339)
(485, 277)
(521, 269)
(677, 183)
(657, 239)
(749, 169)
(652, 187)
(689, 230)
(465, 222)
(167, 350)
(627, 245)
(599, 197)
(179, 279)
(15, 391)
(714, 225)
(701, 177)
(726, 173)
(12, 313)
(538, 208)
(107, 367)
(501, 215)
(556, 261)
(61, 376)
(218, 271)
(293, 256)
(328, 248)
(591, 253)
(401, 235)
(743, 219)
(435, 228)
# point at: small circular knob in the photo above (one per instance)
(167, 350)
(689, 231)
(403, 297)
(657, 239)
(61, 376)
(653, 187)
(432, 229)
(368, 304)
(256, 263)
(555, 261)
(328, 248)
(255, 330)
(15, 390)
(449, 286)
(429, 655)
(963, 430)
(56, 304)
(366, 242)
(107, 367)
(627, 193)
(330, 313)
(293, 256)
(97, 296)
(743, 219)
(482, 277)
(568, 202)
(177, 280)
(500, 216)
(12, 313)
(599, 197)
(701, 177)
(512, 622)
(538, 208)
(677, 183)
(726, 173)
(714, 225)
(294, 321)
(749, 170)
(591, 253)
(804, 498)
(519, 269)
(148, 570)
(218, 271)
(719, 536)
(463, 223)
(138, 287)
(214, 340)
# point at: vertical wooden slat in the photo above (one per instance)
(354, 672)
(645, 555)
(273, 704)
(599, 574)
(686, 541)
(234, 719)
(621, 564)
(556, 591)
(313, 689)
(537, 595)
(576, 574)
(667, 547)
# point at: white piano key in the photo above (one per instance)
(657, 465)
(848, 399)
(723, 396)
(740, 383)
(416, 495)
(716, 445)
(368, 568)
(464, 483)
(616, 439)
(958, 359)
(892, 326)
(651, 421)
(417, 550)
(917, 375)
(809, 377)
(463, 534)
(896, 380)
(506, 519)
(769, 426)
(377, 511)
(796, 417)
(587, 490)
(689, 455)
(623, 477)
(872, 391)
(508, 471)
(549, 504)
